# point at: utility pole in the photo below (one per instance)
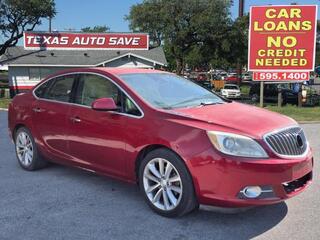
(241, 10)
(50, 18)
(241, 7)
(50, 24)
(261, 93)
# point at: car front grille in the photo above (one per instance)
(288, 142)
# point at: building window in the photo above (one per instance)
(34, 74)
(37, 74)
(45, 72)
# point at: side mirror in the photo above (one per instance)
(104, 104)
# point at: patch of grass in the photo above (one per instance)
(4, 102)
(299, 114)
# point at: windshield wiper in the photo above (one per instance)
(163, 105)
(187, 101)
(209, 103)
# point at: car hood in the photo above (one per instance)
(236, 117)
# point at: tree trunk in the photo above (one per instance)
(9, 43)
(179, 63)
(4, 47)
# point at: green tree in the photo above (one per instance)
(318, 44)
(148, 17)
(185, 27)
(237, 53)
(17, 16)
(97, 29)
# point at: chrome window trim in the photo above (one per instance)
(75, 104)
(286, 156)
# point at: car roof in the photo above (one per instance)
(113, 71)
(119, 71)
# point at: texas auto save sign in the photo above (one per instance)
(93, 41)
(282, 42)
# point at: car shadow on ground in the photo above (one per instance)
(124, 204)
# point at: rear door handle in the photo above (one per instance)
(75, 119)
(38, 110)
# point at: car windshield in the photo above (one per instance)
(230, 87)
(167, 91)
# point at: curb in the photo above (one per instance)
(4, 109)
(309, 122)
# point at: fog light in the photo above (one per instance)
(252, 191)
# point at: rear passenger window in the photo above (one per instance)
(61, 89)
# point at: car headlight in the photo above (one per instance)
(236, 145)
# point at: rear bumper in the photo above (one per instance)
(219, 180)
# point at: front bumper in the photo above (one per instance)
(218, 180)
(233, 96)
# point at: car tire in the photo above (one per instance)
(284, 102)
(168, 190)
(27, 152)
(254, 98)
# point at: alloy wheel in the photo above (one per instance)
(162, 184)
(24, 149)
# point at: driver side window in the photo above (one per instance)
(92, 87)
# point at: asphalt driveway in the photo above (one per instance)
(66, 203)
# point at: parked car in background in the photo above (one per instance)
(231, 91)
(187, 70)
(203, 80)
(317, 71)
(201, 77)
(232, 78)
(211, 71)
(184, 145)
(222, 75)
(246, 77)
(271, 93)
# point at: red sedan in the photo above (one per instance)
(232, 78)
(181, 143)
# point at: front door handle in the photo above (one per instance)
(75, 119)
(38, 110)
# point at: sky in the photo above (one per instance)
(72, 15)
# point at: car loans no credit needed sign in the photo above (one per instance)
(282, 42)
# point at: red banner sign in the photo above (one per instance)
(282, 38)
(281, 76)
(94, 41)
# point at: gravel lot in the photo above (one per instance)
(65, 203)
